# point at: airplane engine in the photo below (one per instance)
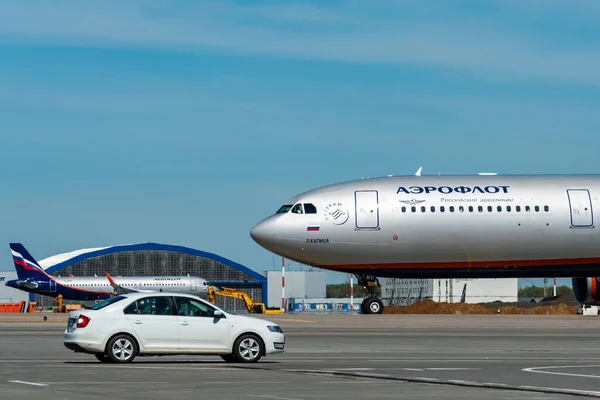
(587, 290)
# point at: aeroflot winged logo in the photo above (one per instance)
(450, 189)
(412, 202)
(336, 213)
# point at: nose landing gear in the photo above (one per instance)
(372, 304)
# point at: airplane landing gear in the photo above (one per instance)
(372, 304)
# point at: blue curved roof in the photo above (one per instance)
(153, 246)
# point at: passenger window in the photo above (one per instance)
(403, 209)
(159, 305)
(489, 208)
(310, 208)
(527, 208)
(499, 208)
(518, 208)
(461, 209)
(193, 308)
(297, 209)
(423, 209)
(508, 208)
(546, 208)
(451, 208)
(413, 209)
(537, 208)
(470, 208)
(442, 209)
(480, 209)
(432, 209)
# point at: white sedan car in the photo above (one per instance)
(160, 323)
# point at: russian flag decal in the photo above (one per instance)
(313, 228)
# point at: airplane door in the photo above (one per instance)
(580, 205)
(366, 209)
(193, 287)
(52, 286)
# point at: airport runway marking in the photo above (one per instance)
(29, 383)
(354, 369)
(501, 386)
(452, 369)
(538, 370)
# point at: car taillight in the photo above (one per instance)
(83, 321)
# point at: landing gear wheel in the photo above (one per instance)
(121, 349)
(372, 306)
(248, 348)
(102, 358)
(376, 306)
(229, 358)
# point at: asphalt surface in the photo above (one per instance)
(329, 356)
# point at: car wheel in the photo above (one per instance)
(121, 349)
(229, 358)
(248, 348)
(102, 357)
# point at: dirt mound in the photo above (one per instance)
(432, 307)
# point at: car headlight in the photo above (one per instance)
(274, 328)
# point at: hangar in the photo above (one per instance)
(155, 259)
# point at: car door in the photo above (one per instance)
(199, 329)
(155, 323)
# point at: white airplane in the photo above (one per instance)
(33, 278)
(485, 225)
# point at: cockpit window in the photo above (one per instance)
(297, 209)
(310, 208)
(283, 209)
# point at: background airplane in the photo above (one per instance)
(485, 225)
(32, 278)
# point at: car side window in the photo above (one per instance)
(158, 305)
(131, 309)
(193, 308)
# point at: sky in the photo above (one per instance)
(188, 122)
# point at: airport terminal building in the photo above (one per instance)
(154, 259)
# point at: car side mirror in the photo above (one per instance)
(218, 314)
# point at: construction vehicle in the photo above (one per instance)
(253, 308)
(60, 307)
(58, 304)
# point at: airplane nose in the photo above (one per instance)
(262, 233)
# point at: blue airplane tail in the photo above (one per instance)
(27, 267)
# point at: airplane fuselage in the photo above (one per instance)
(95, 288)
(444, 226)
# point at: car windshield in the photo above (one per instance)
(104, 303)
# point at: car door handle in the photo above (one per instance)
(184, 323)
(137, 322)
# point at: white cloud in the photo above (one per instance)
(487, 45)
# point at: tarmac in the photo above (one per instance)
(329, 356)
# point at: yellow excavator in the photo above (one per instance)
(253, 308)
